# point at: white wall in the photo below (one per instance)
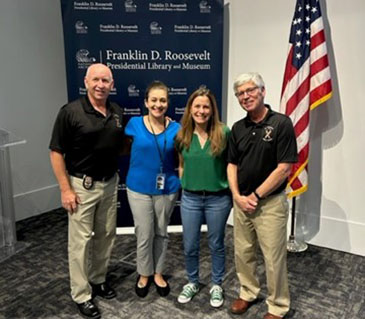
(331, 213)
(32, 89)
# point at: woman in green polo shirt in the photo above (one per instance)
(202, 143)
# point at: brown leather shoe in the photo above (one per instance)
(240, 306)
(271, 316)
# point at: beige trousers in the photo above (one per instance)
(91, 234)
(151, 216)
(265, 227)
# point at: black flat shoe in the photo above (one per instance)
(104, 291)
(88, 309)
(142, 291)
(163, 291)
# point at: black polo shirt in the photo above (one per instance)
(90, 141)
(257, 148)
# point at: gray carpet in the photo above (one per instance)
(324, 283)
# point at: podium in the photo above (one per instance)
(8, 241)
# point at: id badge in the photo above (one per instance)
(160, 181)
(87, 182)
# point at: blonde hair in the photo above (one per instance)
(214, 129)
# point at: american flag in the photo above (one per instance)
(307, 82)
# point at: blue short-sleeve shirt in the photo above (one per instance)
(145, 161)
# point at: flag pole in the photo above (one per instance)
(293, 245)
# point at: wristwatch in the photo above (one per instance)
(258, 197)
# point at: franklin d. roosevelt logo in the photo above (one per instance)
(81, 27)
(155, 28)
(132, 90)
(130, 6)
(204, 6)
(83, 56)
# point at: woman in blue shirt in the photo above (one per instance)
(152, 186)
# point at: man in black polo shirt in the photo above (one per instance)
(262, 148)
(87, 138)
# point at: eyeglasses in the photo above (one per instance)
(249, 91)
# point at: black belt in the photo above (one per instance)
(207, 193)
(94, 178)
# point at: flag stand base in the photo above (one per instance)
(294, 246)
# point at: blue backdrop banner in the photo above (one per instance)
(179, 42)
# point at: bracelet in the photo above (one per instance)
(258, 197)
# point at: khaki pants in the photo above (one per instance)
(266, 227)
(91, 234)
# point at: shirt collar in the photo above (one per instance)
(88, 106)
(268, 114)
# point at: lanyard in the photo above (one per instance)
(161, 154)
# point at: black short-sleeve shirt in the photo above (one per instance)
(89, 140)
(258, 148)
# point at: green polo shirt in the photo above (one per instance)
(202, 171)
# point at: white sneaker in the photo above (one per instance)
(188, 292)
(216, 296)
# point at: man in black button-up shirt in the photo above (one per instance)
(262, 148)
(86, 140)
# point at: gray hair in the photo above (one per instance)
(248, 77)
